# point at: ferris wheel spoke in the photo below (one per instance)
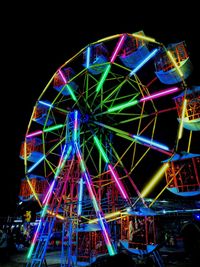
(99, 213)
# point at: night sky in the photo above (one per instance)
(40, 39)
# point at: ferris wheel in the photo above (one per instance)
(94, 134)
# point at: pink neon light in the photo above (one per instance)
(117, 180)
(36, 233)
(62, 76)
(161, 93)
(34, 134)
(118, 47)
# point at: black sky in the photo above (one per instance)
(40, 39)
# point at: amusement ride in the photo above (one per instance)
(112, 121)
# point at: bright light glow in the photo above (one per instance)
(52, 128)
(159, 94)
(180, 132)
(144, 62)
(89, 185)
(80, 197)
(174, 62)
(62, 156)
(118, 47)
(36, 164)
(62, 161)
(30, 252)
(33, 134)
(56, 215)
(123, 105)
(143, 37)
(75, 126)
(107, 216)
(48, 194)
(45, 104)
(88, 57)
(154, 180)
(71, 92)
(62, 76)
(111, 250)
(101, 150)
(83, 168)
(103, 77)
(68, 86)
(150, 142)
(118, 182)
(33, 191)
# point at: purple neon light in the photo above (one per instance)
(118, 182)
(161, 93)
(34, 134)
(118, 47)
(62, 76)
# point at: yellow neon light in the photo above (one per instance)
(180, 132)
(146, 38)
(154, 180)
(57, 215)
(174, 62)
(107, 216)
(33, 191)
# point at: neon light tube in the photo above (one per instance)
(150, 142)
(75, 126)
(55, 127)
(45, 104)
(62, 161)
(159, 94)
(180, 132)
(118, 182)
(101, 150)
(80, 197)
(62, 76)
(107, 216)
(154, 180)
(33, 134)
(111, 250)
(103, 77)
(143, 62)
(123, 105)
(48, 193)
(174, 62)
(71, 92)
(44, 210)
(135, 102)
(143, 37)
(117, 49)
(30, 252)
(89, 185)
(36, 164)
(88, 57)
(62, 156)
(68, 86)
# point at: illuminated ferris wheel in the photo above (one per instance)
(92, 138)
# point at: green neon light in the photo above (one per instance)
(103, 77)
(30, 251)
(71, 92)
(101, 150)
(122, 106)
(55, 127)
